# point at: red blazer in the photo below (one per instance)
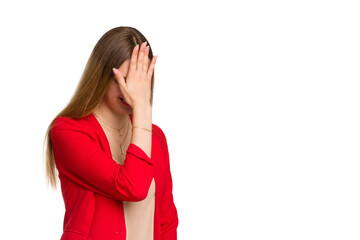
(93, 185)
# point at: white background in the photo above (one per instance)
(259, 101)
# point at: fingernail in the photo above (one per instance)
(137, 47)
(116, 71)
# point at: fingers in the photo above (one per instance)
(151, 68)
(140, 60)
(146, 60)
(133, 59)
(118, 77)
(122, 83)
(139, 63)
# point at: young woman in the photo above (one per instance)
(112, 161)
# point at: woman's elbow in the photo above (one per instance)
(138, 194)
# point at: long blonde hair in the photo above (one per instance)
(112, 49)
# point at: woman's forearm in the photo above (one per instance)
(142, 118)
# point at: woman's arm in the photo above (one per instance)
(142, 117)
(83, 161)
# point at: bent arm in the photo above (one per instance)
(83, 161)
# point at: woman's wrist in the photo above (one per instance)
(142, 116)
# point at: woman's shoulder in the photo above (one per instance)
(81, 124)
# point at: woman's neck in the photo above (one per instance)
(109, 117)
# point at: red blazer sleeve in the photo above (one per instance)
(83, 161)
(168, 213)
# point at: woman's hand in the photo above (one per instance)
(137, 88)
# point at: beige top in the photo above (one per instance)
(139, 216)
